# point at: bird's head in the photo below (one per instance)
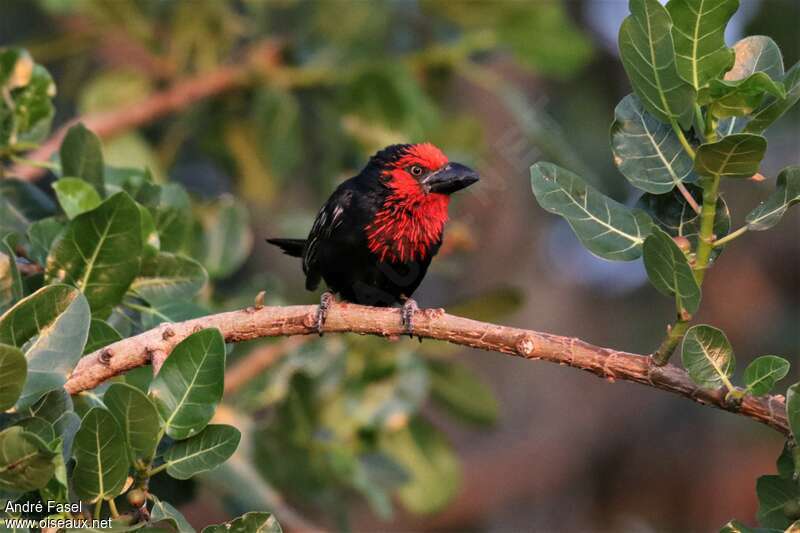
(421, 169)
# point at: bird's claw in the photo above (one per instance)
(326, 301)
(407, 316)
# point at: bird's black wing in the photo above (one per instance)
(329, 219)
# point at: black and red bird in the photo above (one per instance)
(375, 237)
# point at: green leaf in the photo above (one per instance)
(785, 464)
(647, 151)
(58, 317)
(462, 393)
(170, 311)
(99, 449)
(56, 407)
(699, 33)
(169, 277)
(251, 522)
(707, 356)
(10, 280)
(773, 108)
(202, 452)
(786, 194)
(793, 410)
(607, 228)
(26, 462)
(76, 196)
(648, 55)
(172, 215)
(137, 418)
(21, 203)
(13, 369)
(756, 53)
(189, 385)
(29, 90)
(100, 253)
(225, 238)
(41, 235)
(762, 374)
(741, 97)
(429, 459)
(673, 214)
(773, 493)
(82, 156)
(669, 270)
(39, 427)
(151, 242)
(101, 334)
(164, 512)
(735, 156)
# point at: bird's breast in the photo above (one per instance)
(407, 228)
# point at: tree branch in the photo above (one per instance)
(181, 95)
(253, 323)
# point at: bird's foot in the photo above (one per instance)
(326, 301)
(407, 315)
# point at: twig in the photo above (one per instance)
(252, 323)
(180, 96)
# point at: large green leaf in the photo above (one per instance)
(647, 151)
(462, 393)
(735, 156)
(607, 228)
(202, 452)
(137, 418)
(10, 280)
(707, 356)
(773, 493)
(764, 372)
(169, 277)
(741, 97)
(648, 55)
(26, 462)
(429, 459)
(101, 462)
(224, 238)
(786, 194)
(100, 252)
(773, 108)
(13, 370)
(248, 523)
(82, 156)
(189, 385)
(699, 33)
(21, 203)
(28, 316)
(793, 409)
(76, 196)
(669, 270)
(672, 213)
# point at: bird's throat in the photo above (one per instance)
(408, 226)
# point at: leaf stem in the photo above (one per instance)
(676, 332)
(98, 508)
(157, 469)
(682, 138)
(113, 507)
(730, 236)
(688, 197)
(706, 238)
(698, 116)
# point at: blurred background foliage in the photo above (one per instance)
(342, 427)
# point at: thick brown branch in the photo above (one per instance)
(181, 95)
(252, 323)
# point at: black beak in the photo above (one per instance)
(450, 178)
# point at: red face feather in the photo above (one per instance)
(411, 221)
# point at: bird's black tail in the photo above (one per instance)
(293, 247)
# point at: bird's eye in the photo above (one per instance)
(416, 170)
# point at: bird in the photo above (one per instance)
(374, 238)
